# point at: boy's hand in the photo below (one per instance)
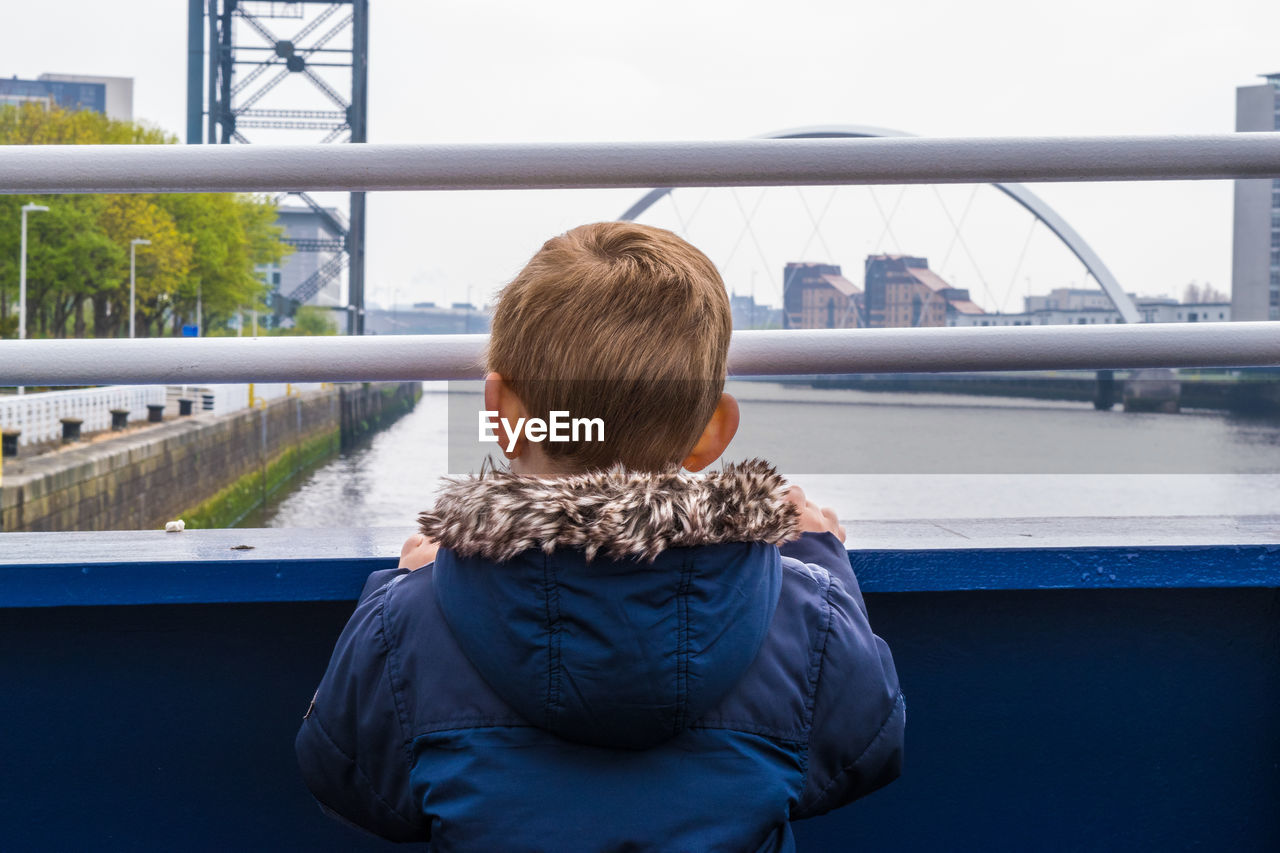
(417, 551)
(813, 518)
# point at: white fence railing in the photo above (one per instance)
(39, 415)
(222, 399)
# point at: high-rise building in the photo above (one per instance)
(1255, 249)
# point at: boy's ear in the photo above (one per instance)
(720, 430)
(498, 397)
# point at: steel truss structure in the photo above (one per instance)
(247, 61)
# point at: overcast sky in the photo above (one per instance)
(569, 71)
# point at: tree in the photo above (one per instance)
(162, 267)
(1195, 294)
(312, 320)
(203, 245)
(231, 236)
(70, 260)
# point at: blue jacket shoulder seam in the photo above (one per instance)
(899, 706)
(811, 696)
(393, 673)
(355, 765)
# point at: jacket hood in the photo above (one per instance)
(612, 608)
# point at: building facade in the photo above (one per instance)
(749, 314)
(817, 296)
(1070, 299)
(427, 318)
(1073, 307)
(902, 292)
(316, 253)
(1255, 249)
(112, 96)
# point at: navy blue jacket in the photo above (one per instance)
(699, 702)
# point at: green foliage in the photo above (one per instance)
(312, 320)
(203, 245)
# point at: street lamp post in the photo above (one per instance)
(133, 279)
(22, 275)
(22, 270)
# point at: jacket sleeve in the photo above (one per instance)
(856, 740)
(353, 746)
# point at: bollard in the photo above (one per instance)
(184, 406)
(119, 419)
(155, 412)
(71, 429)
(9, 442)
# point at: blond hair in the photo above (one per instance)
(620, 321)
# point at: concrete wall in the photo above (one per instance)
(208, 470)
(1086, 684)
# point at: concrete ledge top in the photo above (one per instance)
(208, 566)
(256, 545)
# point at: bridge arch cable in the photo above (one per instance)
(746, 226)
(887, 219)
(1017, 267)
(817, 223)
(1060, 227)
(955, 235)
(958, 237)
(751, 232)
(684, 224)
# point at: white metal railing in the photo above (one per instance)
(172, 168)
(739, 162)
(39, 415)
(752, 353)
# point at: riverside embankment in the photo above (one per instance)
(1250, 391)
(207, 470)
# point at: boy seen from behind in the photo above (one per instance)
(606, 652)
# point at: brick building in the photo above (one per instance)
(901, 291)
(817, 296)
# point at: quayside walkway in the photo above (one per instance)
(1072, 684)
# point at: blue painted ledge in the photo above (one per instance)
(227, 566)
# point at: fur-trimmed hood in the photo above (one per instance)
(616, 513)
(627, 649)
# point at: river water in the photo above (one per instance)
(870, 455)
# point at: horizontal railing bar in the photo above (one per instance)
(176, 361)
(741, 162)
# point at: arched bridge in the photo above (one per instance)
(1023, 196)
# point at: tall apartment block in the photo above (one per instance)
(1255, 250)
